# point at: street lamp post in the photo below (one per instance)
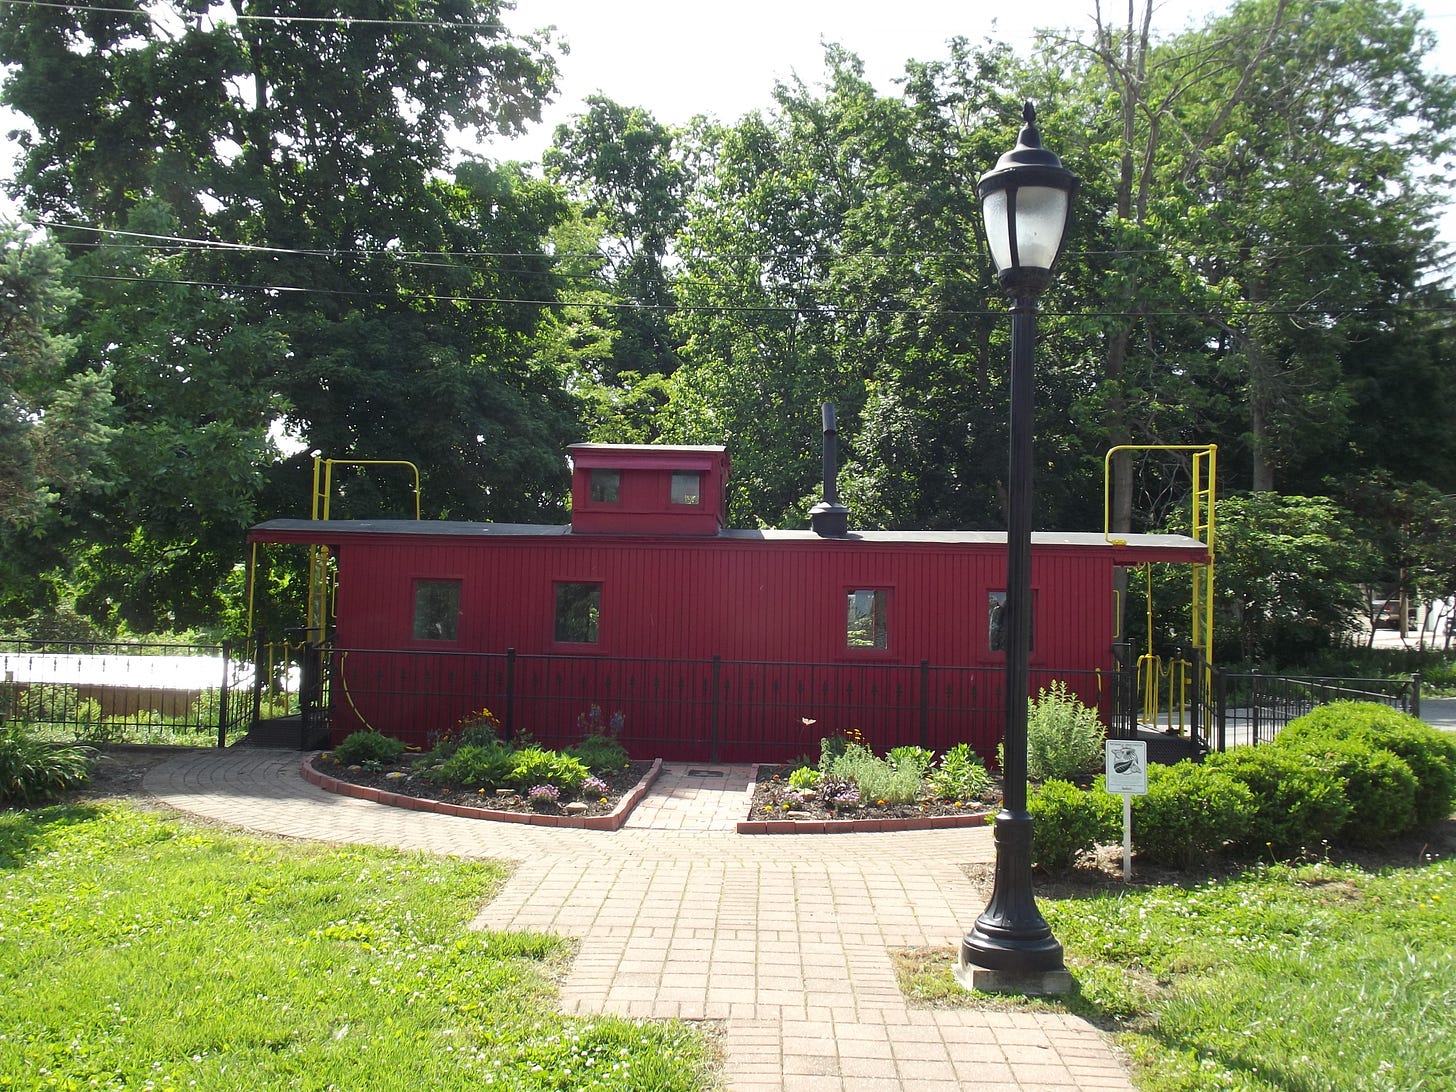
(1027, 203)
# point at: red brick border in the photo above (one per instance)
(611, 821)
(861, 826)
(858, 826)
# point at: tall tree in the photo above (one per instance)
(619, 164)
(53, 431)
(302, 247)
(1310, 211)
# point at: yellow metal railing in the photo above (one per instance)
(320, 568)
(1160, 679)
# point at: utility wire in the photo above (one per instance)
(822, 310)
(339, 20)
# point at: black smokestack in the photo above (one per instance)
(829, 517)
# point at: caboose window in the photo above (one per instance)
(578, 613)
(437, 610)
(996, 621)
(606, 485)
(866, 626)
(687, 487)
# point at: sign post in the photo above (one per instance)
(1127, 776)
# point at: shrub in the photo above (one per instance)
(877, 778)
(474, 765)
(1068, 822)
(961, 775)
(1378, 784)
(1430, 753)
(358, 748)
(32, 772)
(1189, 812)
(919, 758)
(534, 766)
(1064, 738)
(1296, 804)
(833, 747)
(599, 753)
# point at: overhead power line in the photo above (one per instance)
(339, 20)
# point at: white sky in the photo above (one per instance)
(678, 58)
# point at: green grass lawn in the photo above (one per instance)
(141, 951)
(1311, 977)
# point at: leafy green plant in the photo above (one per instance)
(535, 766)
(33, 772)
(1430, 753)
(479, 727)
(1064, 738)
(600, 754)
(1189, 812)
(833, 747)
(1067, 822)
(357, 748)
(960, 775)
(877, 779)
(804, 777)
(918, 758)
(476, 766)
(1297, 804)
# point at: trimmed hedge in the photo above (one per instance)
(1067, 822)
(1379, 785)
(1296, 804)
(1189, 813)
(1430, 754)
(1355, 773)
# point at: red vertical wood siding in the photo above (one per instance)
(770, 600)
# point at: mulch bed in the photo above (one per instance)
(768, 813)
(401, 780)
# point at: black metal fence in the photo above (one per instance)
(706, 710)
(111, 692)
(1251, 709)
(715, 710)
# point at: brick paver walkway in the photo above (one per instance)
(783, 938)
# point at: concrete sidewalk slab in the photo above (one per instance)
(785, 938)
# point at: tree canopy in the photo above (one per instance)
(268, 232)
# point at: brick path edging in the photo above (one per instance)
(862, 826)
(611, 821)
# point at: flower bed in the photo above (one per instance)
(401, 785)
(778, 808)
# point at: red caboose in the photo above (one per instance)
(714, 644)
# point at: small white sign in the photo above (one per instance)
(1127, 767)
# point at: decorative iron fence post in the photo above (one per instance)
(925, 703)
(717, 703)
(1220, 700)
(509, 723)
(258, 684)
(1195, 719)
(222, 704)
(1415, 695)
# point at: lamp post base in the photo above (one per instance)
(1026, 983)
(1011, 948)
